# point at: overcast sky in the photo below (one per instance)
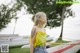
(24, 25)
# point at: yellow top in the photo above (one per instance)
(40, 38)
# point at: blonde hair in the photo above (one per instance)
(37, 16)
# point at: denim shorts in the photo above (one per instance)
(40, 49)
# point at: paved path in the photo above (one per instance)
(71, 47)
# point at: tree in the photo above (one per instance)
(15, 25)
(55, 12)
(7, 13)
(64, 12)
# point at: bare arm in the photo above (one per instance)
(33, 33)
(45, 42)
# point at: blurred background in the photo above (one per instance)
(63, 23)
(15, 18)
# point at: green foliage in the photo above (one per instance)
(53, 10)
(7, 13)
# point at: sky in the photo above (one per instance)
(24, 25)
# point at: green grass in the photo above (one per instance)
(18, 49)
(59, 41)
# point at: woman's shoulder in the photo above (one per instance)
(33, 31)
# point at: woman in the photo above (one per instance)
(38, 34)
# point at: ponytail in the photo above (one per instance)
(34, 20)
